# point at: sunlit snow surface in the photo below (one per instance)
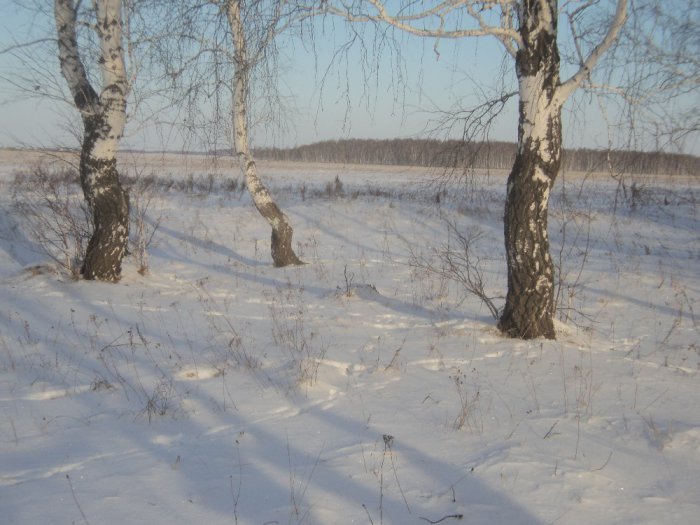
(358, 388)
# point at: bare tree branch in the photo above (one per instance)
(575, 81)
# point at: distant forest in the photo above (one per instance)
(493, 155)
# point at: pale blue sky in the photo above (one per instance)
(428, 83)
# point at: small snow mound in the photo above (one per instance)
(50, 392)
(162, 439)
(47, 395)
(32, 271)
(687, 441)
(363, 291)
(39, 269)
(191, 373)
(562, 329)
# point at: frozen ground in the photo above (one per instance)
(361, 387)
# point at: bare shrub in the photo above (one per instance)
(234, 352)
(304, 347)
(457, 262)
(143, 229)
(335, 189)
(574, 251)
(234, 185)
(469, 414)
(126, 361)
(568, 281)
(230, 347)
(160, 400)
(50, 204)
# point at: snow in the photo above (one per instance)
(357, 388)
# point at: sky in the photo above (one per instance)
(343, 105)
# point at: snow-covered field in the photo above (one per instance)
(360, 387)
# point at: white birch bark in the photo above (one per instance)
(114, 78)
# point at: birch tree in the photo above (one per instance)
(281, 242)
(528, 31)
(219, 57)
(103, 113)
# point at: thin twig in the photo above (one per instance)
(387, 444)
(75, 498)
(549, 432)
(604, 464)
(454, 516)
(369, 517)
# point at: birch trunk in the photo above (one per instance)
(104, 118)
(529, 307)
(281, 241)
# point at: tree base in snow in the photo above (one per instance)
(281, 248)
(526, 326)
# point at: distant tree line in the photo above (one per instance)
(493, 155)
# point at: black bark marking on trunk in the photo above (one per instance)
(528, 312)
(281, 247)
(109, 204)
(281, 239)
